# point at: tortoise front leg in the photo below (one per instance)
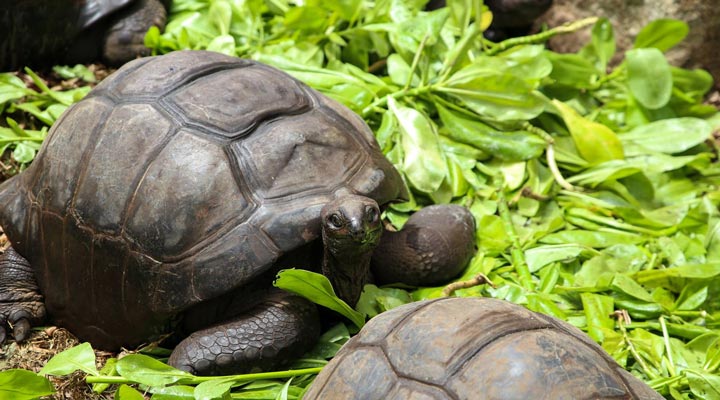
(278, 329)
(21, 304)
(433, 247)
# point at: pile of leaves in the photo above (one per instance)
(595, 188)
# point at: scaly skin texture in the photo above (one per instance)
(278, 329)
(283, 326)
(21, 304)
(433, 247)
(125, 37)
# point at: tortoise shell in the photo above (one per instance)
(178, 179)
(473, 348)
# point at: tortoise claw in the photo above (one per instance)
(21, 304)
(21, 329)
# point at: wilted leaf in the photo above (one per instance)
(595, 142)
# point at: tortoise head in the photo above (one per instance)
(351, 229)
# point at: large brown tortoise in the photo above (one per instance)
(168, 198)
(473, 348)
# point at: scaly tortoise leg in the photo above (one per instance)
(21, 304)
(433, 247)
(278, 329)
(125, 38)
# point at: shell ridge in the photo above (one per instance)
(478, 344)
(137, 182)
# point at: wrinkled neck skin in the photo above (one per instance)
(347, 266)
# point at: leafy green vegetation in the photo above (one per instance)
(595, 188)
(38, 108)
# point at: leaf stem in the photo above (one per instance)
(516, 253)
(540, 37)
(416, 61)
(550, 157)
(638, 358)
(199, 379)
(382, 101)
(668, 349)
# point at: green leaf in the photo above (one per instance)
(223, 44)
(125, 392)
(20, 384)
(594, 239)
(690, 271)
(375, 300)
(692, 296)
(174, 392)
(214, 389)
(423, 163)
(80, 357)
(669, 136)
(595, 142)
(572, 70)
(318, 289)
(493, 94)
(703, 385)
(603, 42)
(509, 146)
(538, 257)
(149, 371)
(662, 34)
(624, 284)
(598, 310)
(649, 77)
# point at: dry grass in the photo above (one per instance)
(34, 353)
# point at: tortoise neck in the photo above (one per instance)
(348, 272)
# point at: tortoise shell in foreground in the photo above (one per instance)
(473, 348)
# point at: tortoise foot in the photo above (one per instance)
(21, 304)
(433, 247)
(125, 38)
(278, 329)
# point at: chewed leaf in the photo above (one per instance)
(318, 289)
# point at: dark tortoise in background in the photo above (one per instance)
(473, 348)
(41, 33)
(168, 198)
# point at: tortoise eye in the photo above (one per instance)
(372, 214)
(335, 221)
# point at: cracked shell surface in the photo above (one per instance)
(176, 180)
(472, 348)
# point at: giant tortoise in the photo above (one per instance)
(473, 348)
(168, 198)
